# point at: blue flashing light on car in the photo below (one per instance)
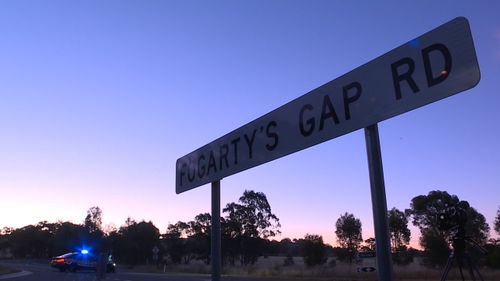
(84, 251)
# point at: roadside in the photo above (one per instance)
(7, 270)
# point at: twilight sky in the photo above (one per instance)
(100, 98)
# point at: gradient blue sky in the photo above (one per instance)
(99, 99)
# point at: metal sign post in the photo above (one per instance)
(379, 204)
(215, 235)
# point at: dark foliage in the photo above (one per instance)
(45, 240)
(348, 231)
(288, 261)
(436, 249)
(134, 242)
(403, 256)
(93, 220)
(398, 228)
(497, 222)
(289, 247)
(342, 254)
(313, 250)
(199, 236)
(442, 217)
(492, 256)
(175, 242)
(369, 245)
(246, 225)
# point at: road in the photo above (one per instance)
(43, 272)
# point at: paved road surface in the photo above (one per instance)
(43, 272)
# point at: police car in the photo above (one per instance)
(82, 260)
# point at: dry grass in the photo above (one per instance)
(274, 267)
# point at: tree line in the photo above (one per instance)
(247, 229)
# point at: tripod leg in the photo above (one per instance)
(447, 268)
(459, 262)
(473, 268)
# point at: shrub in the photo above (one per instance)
(313, 250)
(493, 256)
(288, 261)
(402, 257)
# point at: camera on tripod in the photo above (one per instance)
(454, 217)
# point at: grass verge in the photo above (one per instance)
(7, 270)
(274, 268)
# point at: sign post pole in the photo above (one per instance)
(379, 204)
(216, 232)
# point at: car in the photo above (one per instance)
(83, 260)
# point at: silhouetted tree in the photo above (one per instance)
(270, 248)
(93, 220)
(136, 241)
(493, 254)
(348, 231)
(288, 247)
(199, 234)
(68, 237)
(6, 230)
(436, 248)
(175, 241)
(249, 221)
(313, 250)
(398, 229)
(231, 240)
(497, 222)
(369, 244)
(132, 244)
(29, 242)
(342, 254)
(93, 225)
(254, 215)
